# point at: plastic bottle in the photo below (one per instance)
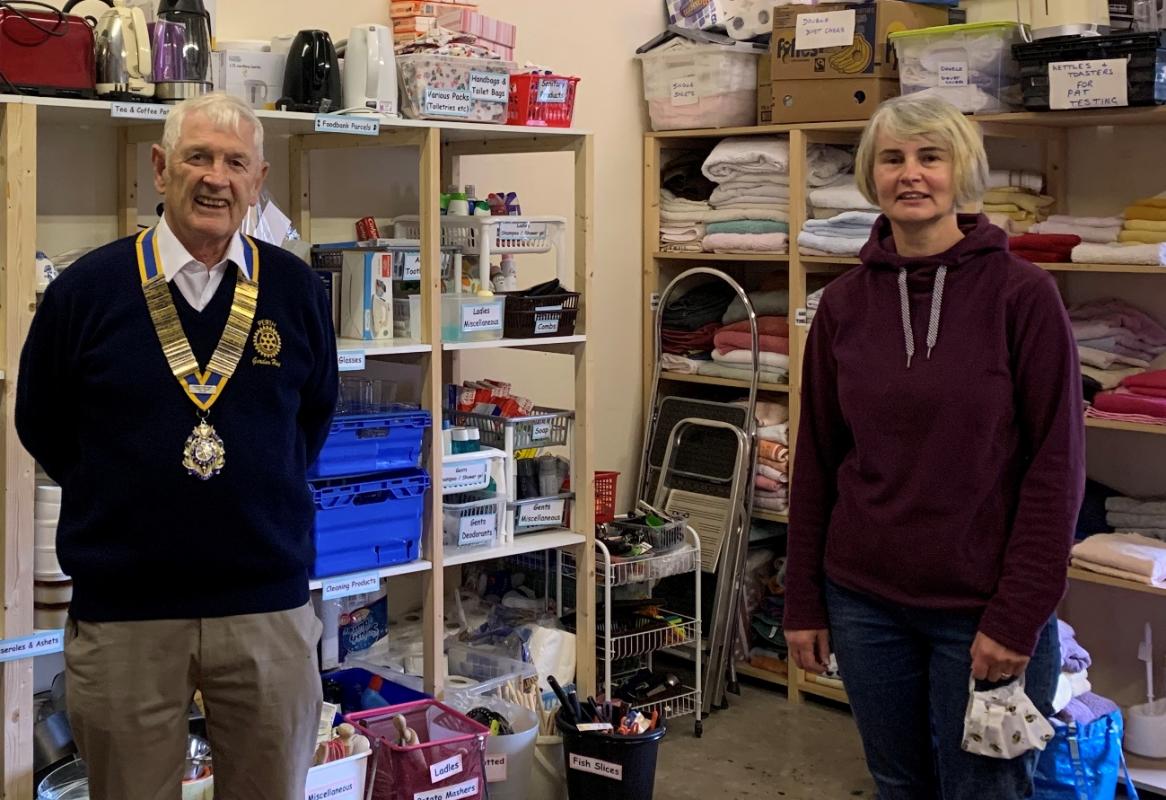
(471, 199)
(509, 274)
(458, 207)
(473, 440)
(371, 697)
(446, 438)
(461, 438)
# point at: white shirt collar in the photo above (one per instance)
(175, 257)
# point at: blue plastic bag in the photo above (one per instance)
(1083, 762)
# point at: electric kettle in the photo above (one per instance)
(311, 78)
(182, 47)
(370, 70)
(124, 59)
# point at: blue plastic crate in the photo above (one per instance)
(367, 522)
(352, 683)
(362, 443)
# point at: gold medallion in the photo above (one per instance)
(204, 455)
(267, 340)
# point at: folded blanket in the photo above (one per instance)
(736, 340)
(1074, 657)
(1132, 505)
(1123, 520)
(1089, 253)
(831, 245)
(769, 413)
(674, 363)
(1104, 360)
(1004, 179)
(1132, 326)
(748, 192)
(1145, 237)
(745, 358)
(1036, 204)
(745, 243)
(681, 247)
(747, 155)
(1086, 222)
(1086, 709)
(773, 214)
(1145, 225)
(1146, 213)
(766, 326)
(773, 451)
(748, 226)
(770, 303)
(775, 433)
(1126, 555)
(843, 194)
(1123, 401)
(1083, 232)
(1109, 378)
(742, 372)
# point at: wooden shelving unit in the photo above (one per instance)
(1049, 131)
(440, 146)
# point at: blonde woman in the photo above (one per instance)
(939, 466)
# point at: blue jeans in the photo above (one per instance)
(906, 674)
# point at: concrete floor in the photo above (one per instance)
(764, 748)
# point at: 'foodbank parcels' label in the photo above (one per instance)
(446, 102)
(479, 317)
(544, 513)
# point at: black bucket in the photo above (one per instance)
(605, 767)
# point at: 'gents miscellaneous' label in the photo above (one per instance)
(340, 123)
(824, 29)
(544, 512)
(684, 91)
(447, 102)
(482, 317)
(490, 87)
(596, 767)
(953, 73)
(460, 792)
(1088, 84)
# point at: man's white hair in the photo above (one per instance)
(223, 110)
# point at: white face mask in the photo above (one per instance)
(1003, 722)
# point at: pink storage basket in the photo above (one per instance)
(448, 764)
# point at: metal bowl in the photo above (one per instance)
(198, 758)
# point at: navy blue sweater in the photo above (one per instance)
(98, 407)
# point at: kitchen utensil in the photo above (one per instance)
(182, 46)
(370, 70)
(67, 782)
(123, 53)
(311, 78)
(52, 742)
(46, 52)
(198, 758)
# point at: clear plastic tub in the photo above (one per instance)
(454, 88)
(469, 318)
(471, 520)
(690, 85)
(541, 513)
(971, 66)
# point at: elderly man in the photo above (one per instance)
(176, 384)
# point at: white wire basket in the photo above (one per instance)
(639, 643)
(625, 571)
(681, 705)
(537, 234)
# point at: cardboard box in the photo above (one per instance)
(422, 8)
(411, 25)
(838, 100)
(869, 55)
(488, 28)
(255, 77)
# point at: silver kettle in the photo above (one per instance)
(124, 58)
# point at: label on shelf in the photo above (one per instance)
(684, 91)
(596, 767)
(447, 102)
(458, 477)
(152, 111)
(654, 301)
(476, 530)
(481, 317)
(495, 768)
(411, 266)
(540, 431)
(803, 317)
(544, 512)
(521, 230)
(348, 585)
(553, 90)
(39, 644)
(953, 73)
(445, 769)
(545, 326)
(350, 360)
(1088, 84)
(342, 123)
(829, 29)
(490, 87)
(585, 727)
(462, 791)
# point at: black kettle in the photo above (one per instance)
(311, 79)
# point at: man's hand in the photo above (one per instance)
(993, 662)
(810, 649)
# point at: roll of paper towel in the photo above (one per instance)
(755, 17)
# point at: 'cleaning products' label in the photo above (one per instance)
(596, 767)
(1088, 84)
(490, 87)
(476, 531)
(553, 90)
(445, 769)
(481, 317)
(463, 791)
(364, 626)
(348, 585)
(540, 514)
(495, 768)
(446, 102)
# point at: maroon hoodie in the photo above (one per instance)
(940, 450)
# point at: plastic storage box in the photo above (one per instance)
(454, 88)
(541, 513)
(471, 472)
(338, 780)
(449, 762)
(1144, 54)
(363, 523)
(469, 318)
(364, 440)
(545, 427)
(471, 520)
(544, 315)
(546, 101)
(971, 66)
(689, 85)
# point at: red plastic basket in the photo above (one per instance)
(605, 496)
(546, 101)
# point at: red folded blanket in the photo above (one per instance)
(1122, 401)
(1153, 379)
(1043, 241)
(735, 340)
(1043, 256)
(766, 326)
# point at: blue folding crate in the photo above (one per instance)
(365, 522)
(365, 442)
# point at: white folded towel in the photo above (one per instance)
(1090, 253)
(843, 194)
(747, 155)
(766, 359)
(1087, 222)
(833, 245)
(748, 192)
(863, 220)
(1088, 233)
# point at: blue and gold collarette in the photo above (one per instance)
(203, 388)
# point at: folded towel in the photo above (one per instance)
(1041, 256)
(746, 243)
(857, 220)
(1145, 225)
(748, 226)
(1086, 222)
(1074, 657)
(766, 326)
(769, 413)
(682, 177)
(745, 357)
(843, 194)
(1044, 241)
(1089, 253)
(1083, 232)
(765, 483)
(1104, 360)
(670, 362)
(1123, 401)
(742, 372)
(1109, 378)
(774, 475)
(728, 192)
(1122, 520)
(681, 247)
(747, 155)
(725, 215)
(771, 303)
(739, 340)
(1086, 709)
(1145, 213)
(1132, 505)
(825, 163)
(1003, 179)
(1149, 382)
(826, 213)
(1132, 326)
(831, 245)
(775, 433)
(669, 200)
(1037, 204)
(1157, 201)
(773, 451)
(1146, 237)
(1128, 555)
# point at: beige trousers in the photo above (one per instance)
(130, 686)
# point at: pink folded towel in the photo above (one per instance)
(731, 340)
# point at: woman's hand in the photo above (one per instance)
(993, 662)
(810, 649)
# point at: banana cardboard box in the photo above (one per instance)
(868, 53)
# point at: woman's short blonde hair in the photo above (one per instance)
(937, 121)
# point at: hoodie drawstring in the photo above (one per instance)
(933, 322)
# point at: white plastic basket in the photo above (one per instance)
(471, 520)
(338, 780)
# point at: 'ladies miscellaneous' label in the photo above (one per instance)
(482, 317)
